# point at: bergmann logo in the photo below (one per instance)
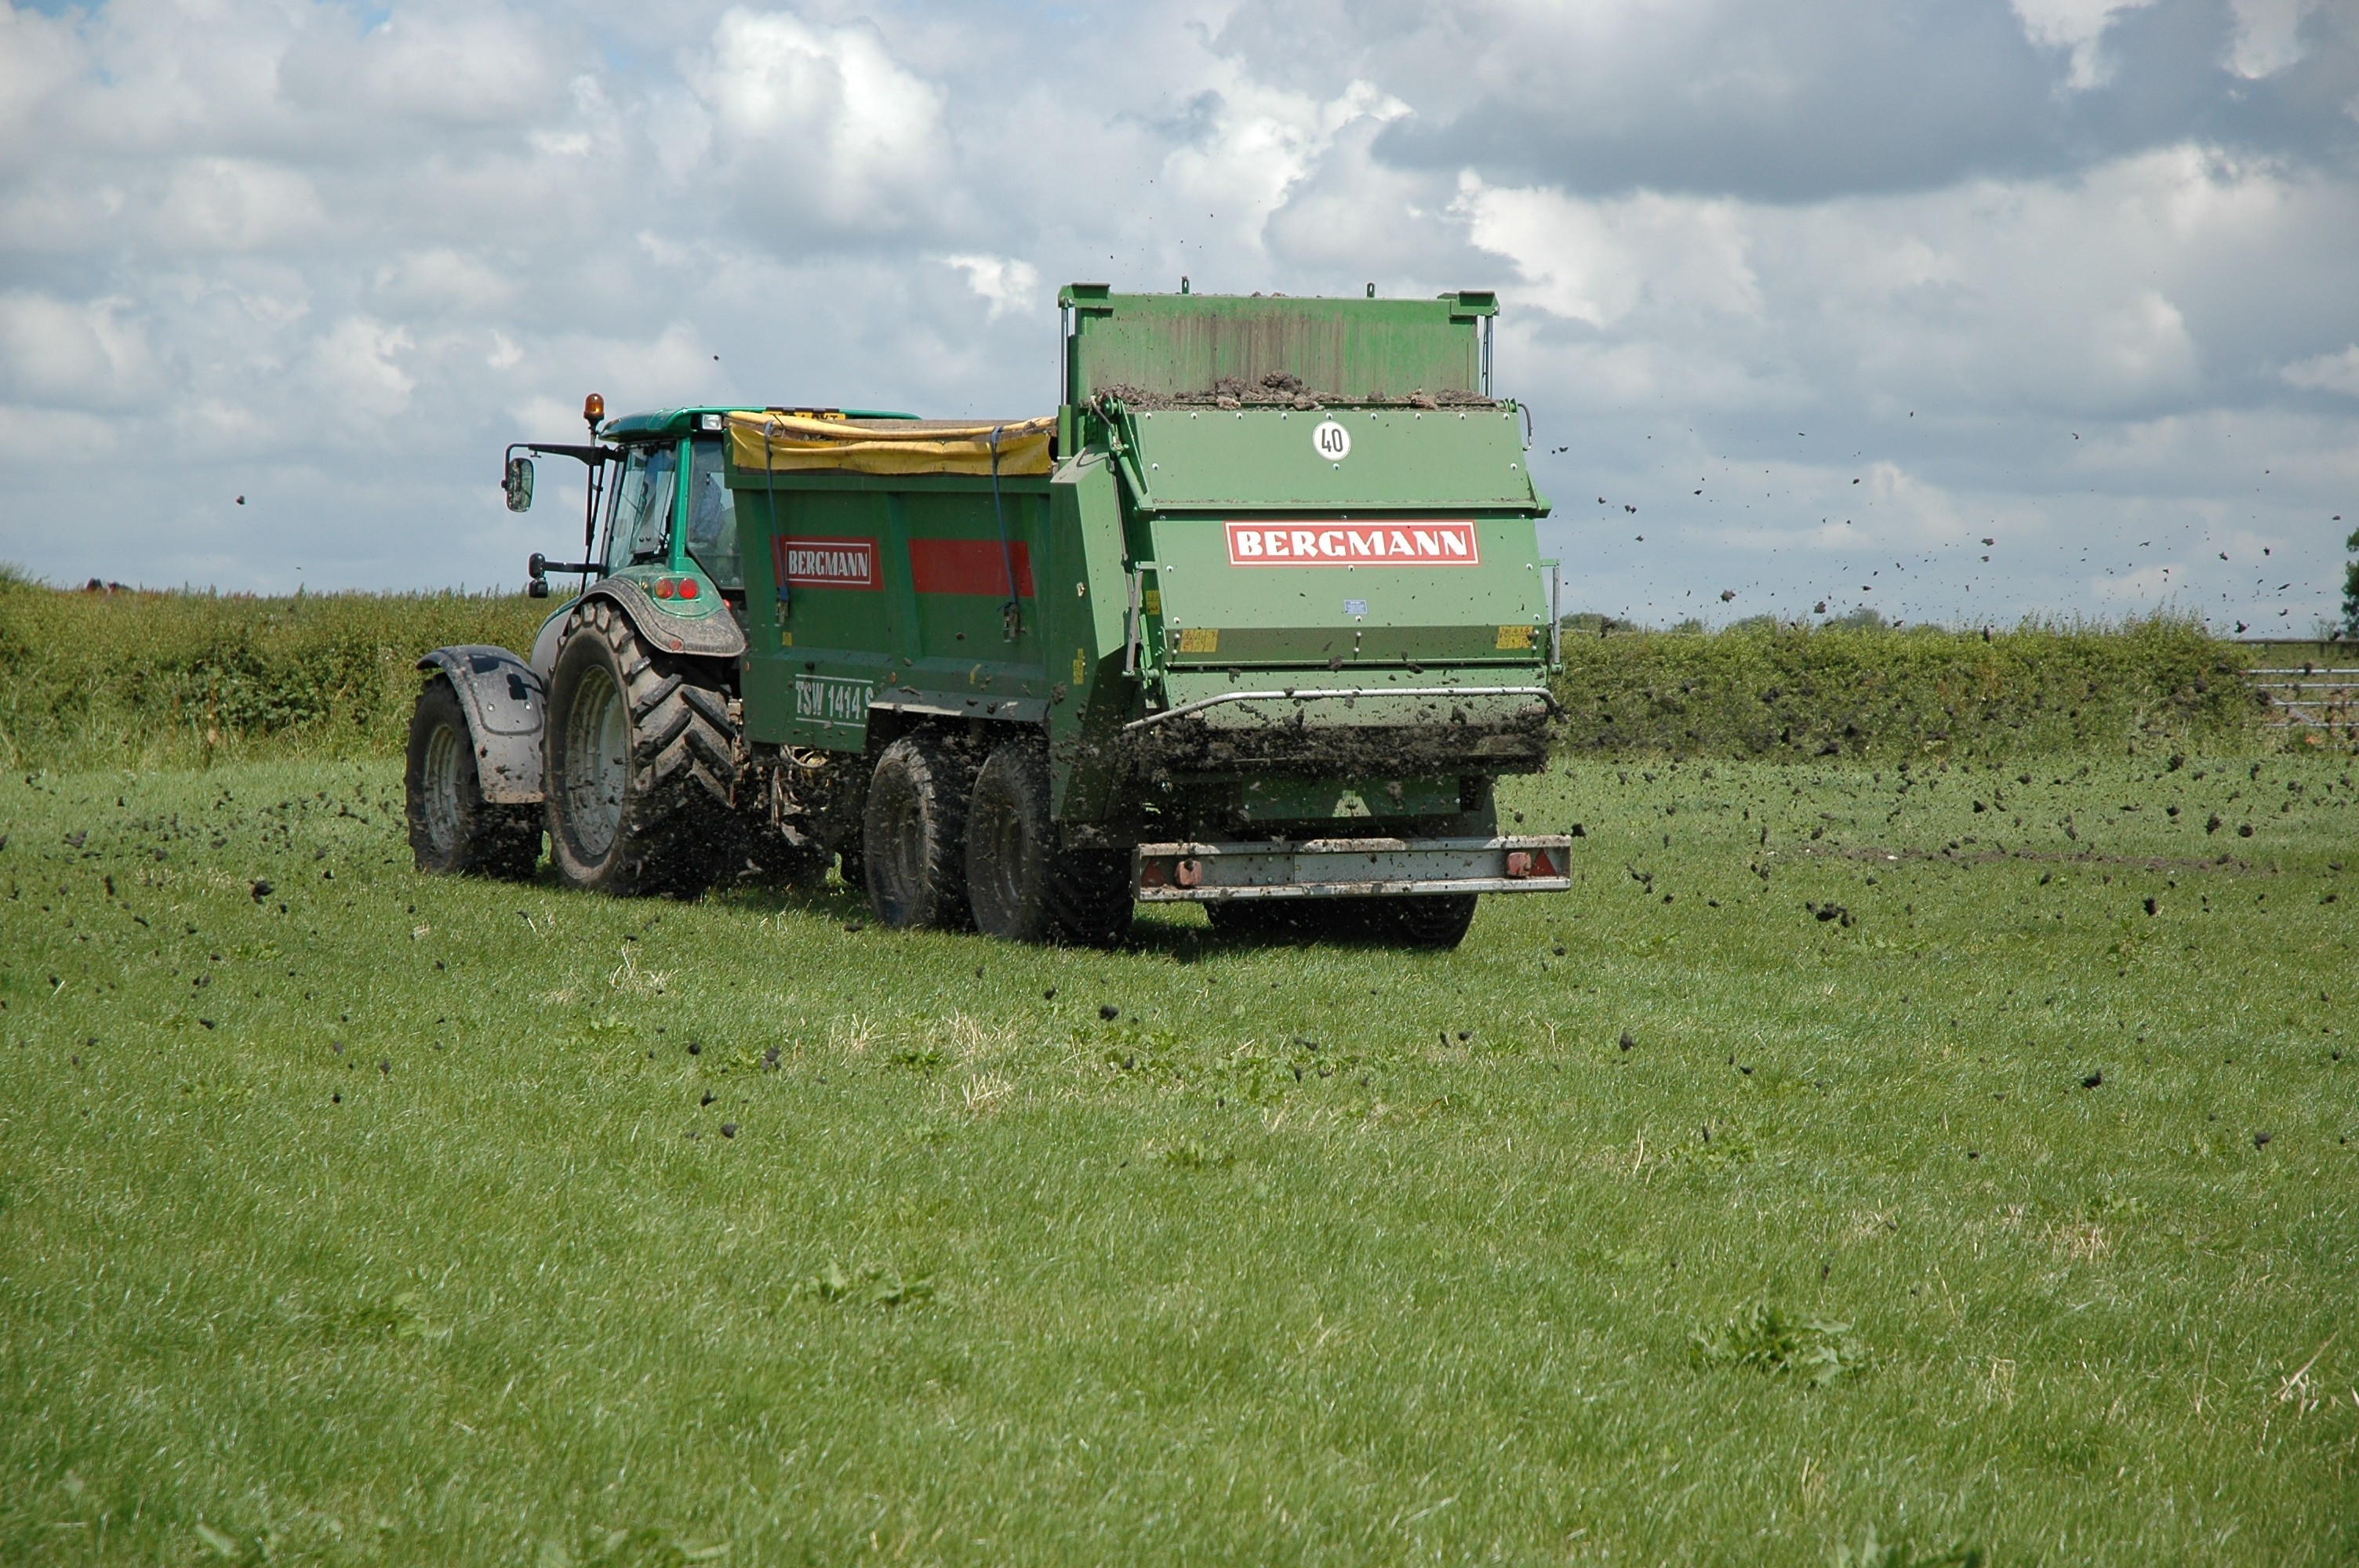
(1407, 543)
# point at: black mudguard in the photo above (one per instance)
(504, 706)
(716, 636)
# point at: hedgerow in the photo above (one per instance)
(139, 678)
(144, 679)
(1799, 692)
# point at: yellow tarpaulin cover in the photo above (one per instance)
(790, 443)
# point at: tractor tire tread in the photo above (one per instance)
(675, 831)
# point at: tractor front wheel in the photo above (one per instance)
(641, 763)
(452, 828)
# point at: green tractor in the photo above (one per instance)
(1254, 620)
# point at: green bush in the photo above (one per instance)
(1795, 692)
(133, 678)
(139, 679)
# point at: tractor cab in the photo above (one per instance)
(659, 517)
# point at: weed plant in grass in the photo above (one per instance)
(1862, 1161)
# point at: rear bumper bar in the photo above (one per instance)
(1346, 695)
(1332, 867)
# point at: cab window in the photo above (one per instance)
(712, 515)
(640, 529)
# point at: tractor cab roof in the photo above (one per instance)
(670, 424)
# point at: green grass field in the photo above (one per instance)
(1746, 1206)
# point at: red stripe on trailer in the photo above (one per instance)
(968, 566)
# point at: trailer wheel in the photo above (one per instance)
(640, 762)
(913, 835)
(1010, 846)
(452, 828)
(1021, 886)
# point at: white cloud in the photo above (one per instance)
(442, 280)
(242, 232)
(76, 355)
(1007, 283)
(440, 64)
(355, 370)
(1260, 143)
(820, 122)
(1599, 261)
(233, 204)
(2327, 372)
(2077, 27)
(2268, 36)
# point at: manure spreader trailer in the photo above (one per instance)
(1254, 619)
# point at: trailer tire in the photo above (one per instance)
(913, 835)
(1021, 886)
(640, 762)
(1011, 845)
(452, 828)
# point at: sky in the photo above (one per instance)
(1964, 310)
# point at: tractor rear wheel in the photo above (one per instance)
(452, 828)
(1020, 884)
(641, 763)
(913, 835)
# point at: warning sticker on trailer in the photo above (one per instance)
(825, 563)
(1405, 543)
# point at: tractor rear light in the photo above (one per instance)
(688, 588)
(1519, 862)
(664, 589)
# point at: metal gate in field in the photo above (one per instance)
(2308, 685)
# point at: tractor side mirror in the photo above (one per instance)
(518, 484)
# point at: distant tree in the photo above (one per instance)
(2351, 587)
